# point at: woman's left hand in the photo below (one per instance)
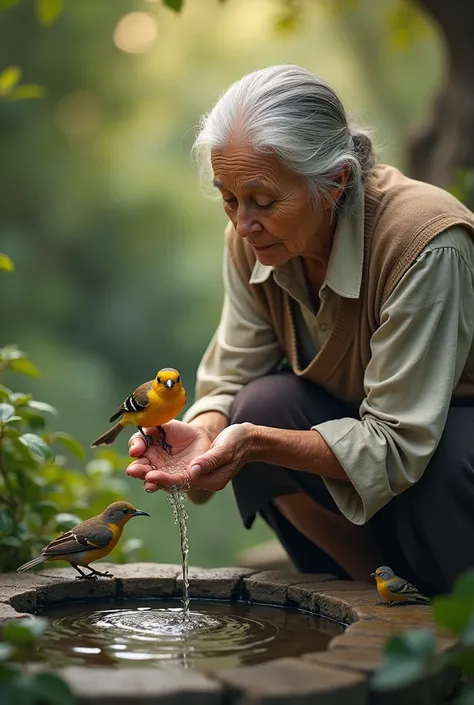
(231, 450)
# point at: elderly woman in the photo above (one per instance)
(337, 394)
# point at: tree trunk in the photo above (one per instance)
(442, 150)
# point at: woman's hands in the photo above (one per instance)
(195, 461)
(187, 442)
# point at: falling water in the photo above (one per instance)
(176, 496)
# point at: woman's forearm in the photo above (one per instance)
(296, 450)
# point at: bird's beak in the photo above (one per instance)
(139, 513)
(372, 575)
(169, 383)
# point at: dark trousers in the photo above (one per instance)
(426, 533)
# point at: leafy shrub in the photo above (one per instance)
(41, 493)
(411, 657)
(19, 639)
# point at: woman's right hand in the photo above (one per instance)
(187, 442)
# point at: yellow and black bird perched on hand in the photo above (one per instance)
(152, 404)
(394, 589)
(89, 541)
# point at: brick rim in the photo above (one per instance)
(347, 664)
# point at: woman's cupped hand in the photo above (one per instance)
(195, 461)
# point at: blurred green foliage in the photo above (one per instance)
(412, 656)
(19, 638)
(41, 495)
(117, 252)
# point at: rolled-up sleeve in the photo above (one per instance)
(243, 348)
(417, 356)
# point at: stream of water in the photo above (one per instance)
(176, 497)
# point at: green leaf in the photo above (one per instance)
(175, 5)
(28, 91)
(36, 446)
(5, 262)
(19, 632)
(11, 541)
(70, 444)
(5, 393)
(397, 673)
(6, 412)
(6, 650)
(46, 509)
(464, 586)
(453, 613)
(99, 466)
(18, 690)
(9, 78)
(52, 689)
(6, 523)
(48, 11)
(419, 642)
(464, 660)
(25, 367)
(7, 4)
(42, 406)
(65, 521)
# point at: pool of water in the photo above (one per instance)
(152, 633)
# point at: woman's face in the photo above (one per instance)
(269, 206)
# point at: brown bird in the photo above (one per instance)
(89, 541)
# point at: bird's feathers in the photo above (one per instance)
(136, 401)
(402, 587)
(81, 538)
(30, 564)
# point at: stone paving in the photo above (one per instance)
(339, 676)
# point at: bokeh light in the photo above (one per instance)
(136, 32)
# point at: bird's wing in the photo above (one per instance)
(79, 539)
(136, 401)
(401, 587)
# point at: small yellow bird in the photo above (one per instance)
(152, 404)
(394, 589)
(89, 541)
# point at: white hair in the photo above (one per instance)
(293, 113)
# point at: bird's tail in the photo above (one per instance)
(30, 564)
(422, 599)
(109, 436)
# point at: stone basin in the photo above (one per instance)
(338, 676)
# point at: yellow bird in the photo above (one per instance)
(152, 404)
(394, 589)
(89, 541)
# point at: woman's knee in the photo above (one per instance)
(283, 400)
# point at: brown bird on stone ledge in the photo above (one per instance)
(90, 541)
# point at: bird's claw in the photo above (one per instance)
(148, 441)
(91, 576)
(105, 574)
(167, 447)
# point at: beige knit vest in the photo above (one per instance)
(401, 217)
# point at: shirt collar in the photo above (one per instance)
(344, 275)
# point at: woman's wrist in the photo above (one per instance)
(297, 450)
(211, 423)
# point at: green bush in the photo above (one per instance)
(41, 493)
(411, 657)
(19, 639)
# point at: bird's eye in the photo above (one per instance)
(158, 380)
(125, 511)
(179, 379)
